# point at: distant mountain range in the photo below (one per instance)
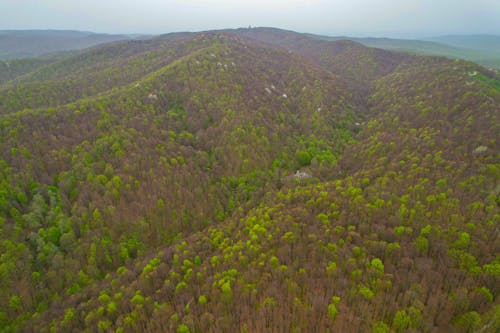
(482, 49)
(33, 43)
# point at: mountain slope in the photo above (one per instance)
(12, 69)
(93, 72)
(347, 58)
(252, 180)
(93, 202)
(388, 246)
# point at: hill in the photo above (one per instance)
(11, 69)
(482, 49)
(249, 180)
(479, 42)
(33, 43)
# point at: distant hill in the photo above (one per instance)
(32, 43)
(489, 58)
(482, 49)
(477, 42)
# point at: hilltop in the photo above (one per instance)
(249, 180)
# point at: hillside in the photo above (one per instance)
(249, 180)
(33, 43)
(14, 68)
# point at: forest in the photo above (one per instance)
(248, 180)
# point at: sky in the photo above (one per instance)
(391, 18)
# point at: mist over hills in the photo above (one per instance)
(248, 180)
(482, 49)
(480, 42)
(33, 43)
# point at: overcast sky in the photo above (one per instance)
(394, 18)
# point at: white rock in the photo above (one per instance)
(480, 150)
(302, 175)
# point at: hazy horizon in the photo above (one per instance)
(356, 18)
(379, 36)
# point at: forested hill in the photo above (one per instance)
(251, 180)
(481, 49)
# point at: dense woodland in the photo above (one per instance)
(251, 180)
